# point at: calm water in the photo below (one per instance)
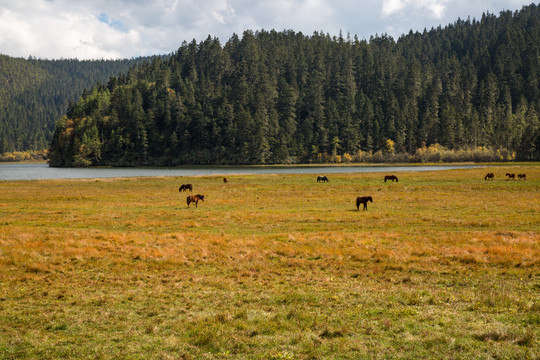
(43, 171)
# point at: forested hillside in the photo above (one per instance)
(35, 93)
(281, 97)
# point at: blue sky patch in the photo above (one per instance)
(115, 24)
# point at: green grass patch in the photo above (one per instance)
(442, 265)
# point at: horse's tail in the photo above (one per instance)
(188, 200)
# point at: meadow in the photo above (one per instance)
(442, 265)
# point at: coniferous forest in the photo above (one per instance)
(286, 97)
(35, 93)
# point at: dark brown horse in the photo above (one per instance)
(195, 199)
(511, 176)
(522, 176)
(225, 180)
(322, 178)
(391, 177)
(363, 200)
(489, 176)
(186, 187)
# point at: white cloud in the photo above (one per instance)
(433, 8)
(128, 28)
(223, 14)
(47, 30)
(390, 7)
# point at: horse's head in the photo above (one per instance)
(201, 197)
(370, 198)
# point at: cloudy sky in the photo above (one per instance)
(95, 29)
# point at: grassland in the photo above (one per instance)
(443, 265)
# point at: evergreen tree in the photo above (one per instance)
(277, 97)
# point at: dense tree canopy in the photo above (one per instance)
(35, 93)
(278, 97)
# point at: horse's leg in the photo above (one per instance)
(365, 206)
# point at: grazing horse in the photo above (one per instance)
(322, 178)
(363, 200)
(522, 176)
(225, 180)
(391, 177)
(489, 176)
(195, 199)
(186, 187)
(511, 176)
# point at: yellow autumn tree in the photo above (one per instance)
(390, 146)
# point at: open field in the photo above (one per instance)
(442, 265)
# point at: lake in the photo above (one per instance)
(41, 171)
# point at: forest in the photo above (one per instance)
(35, 93)
(273, 97)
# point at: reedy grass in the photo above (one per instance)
(442, 265)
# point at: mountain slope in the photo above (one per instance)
(279, 97)
(34, 94)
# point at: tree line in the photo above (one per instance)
(285, 97)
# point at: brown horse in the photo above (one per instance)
(489, 176)
(225, 180)
(322, 178)
(195, 199)
(511, 176)
(391, 177)
(186, 187)
(522, 176)
(363, 200)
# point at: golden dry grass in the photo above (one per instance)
(442, 265)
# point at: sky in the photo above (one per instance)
(113, 29)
